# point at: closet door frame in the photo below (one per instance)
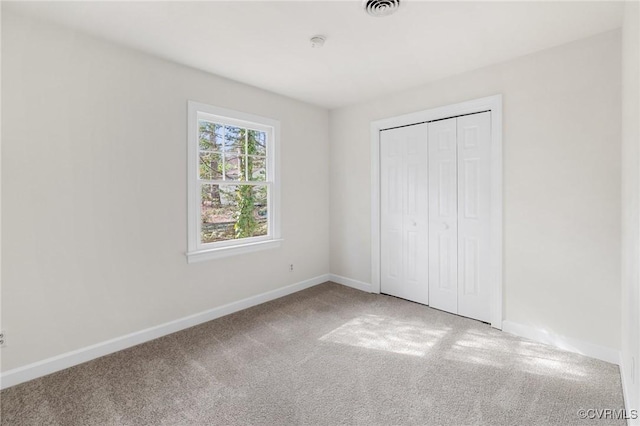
(490, 103)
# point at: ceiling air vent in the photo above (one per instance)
(380, 8)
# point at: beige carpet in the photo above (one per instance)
(329, 355)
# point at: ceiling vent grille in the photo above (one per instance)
(380, 8)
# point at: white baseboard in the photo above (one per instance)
(358, 285)
(69, 359)
(566, 343)
(627, 392)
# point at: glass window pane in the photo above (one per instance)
(210, 166)
(233, 167)
(261, 210)
(234, 139)
(218, 211)
(230, 212)
(257, 168)
(210, 136)
(256, 143)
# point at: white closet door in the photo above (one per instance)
(474, 214)
(443, 216)
(403, 220)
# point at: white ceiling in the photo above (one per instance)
(266, 43)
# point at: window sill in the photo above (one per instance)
(217, 253)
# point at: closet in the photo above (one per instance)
(435, 214)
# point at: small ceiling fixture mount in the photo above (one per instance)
(317, 41)
(379, 8)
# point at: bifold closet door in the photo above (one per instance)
(474, 215)
(404, 213)
(460, 215)
(443, 215)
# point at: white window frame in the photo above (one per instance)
(198, 251)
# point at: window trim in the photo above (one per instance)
(197, 251)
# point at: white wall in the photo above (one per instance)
(630, 208)
(561, 183)
(94, 192)
(1, 180)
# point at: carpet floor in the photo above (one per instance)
(329, 355)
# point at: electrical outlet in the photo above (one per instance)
(3, 338)
(291, 267)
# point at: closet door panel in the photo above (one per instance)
(404, 210)
(416, 215)
(391, 215)
(474, 214)
(443, 212)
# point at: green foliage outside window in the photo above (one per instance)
(231, 155)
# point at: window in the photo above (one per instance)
(233, 182)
